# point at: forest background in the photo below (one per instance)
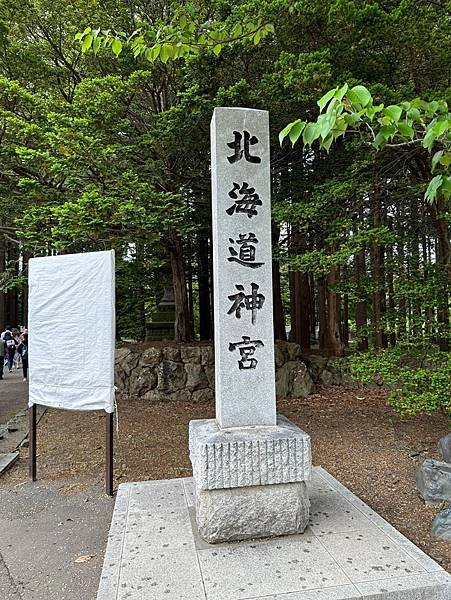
(110, 149)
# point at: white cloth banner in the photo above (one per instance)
(71, 324)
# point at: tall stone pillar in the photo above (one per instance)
(249, 466)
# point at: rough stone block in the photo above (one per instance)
(434, 481)
(441, 525)
(248, 456)
(243, 513)
(444, 448)
(293, 379)
(196, 377)
(191, 354)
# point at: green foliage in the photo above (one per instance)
(182, 32)
(419, 378)
(345, 109)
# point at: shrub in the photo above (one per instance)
(419, 379)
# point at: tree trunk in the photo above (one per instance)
(203, 277)
(322, 320)
(361, 312)
(182, 327)
(444, 260)
(378, 283)
(334, 343)
(312, 306)
(2, 294)
(402, 306)
(278, 312)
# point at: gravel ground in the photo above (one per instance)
(355, 436)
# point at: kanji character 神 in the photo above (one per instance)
(236, 146)
(246, 348)
(246, 256)
(252, 301)
(247, 203)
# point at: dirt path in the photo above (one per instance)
(13, 394)
(355, 436)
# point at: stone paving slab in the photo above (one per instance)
(348, 552)
(7, 460)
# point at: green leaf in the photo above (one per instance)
(237, 30)
(446, 187)
(436, 159)
(359, 95)
(406, 130)
(325, 99)
(156, 51)
(296, 130)
(440, 126)
(351, 118)
(429, 139)
(414, 114)
(285, 131)
(394, 112)
(165, 53)
(311, 133)
(326, 123)
(87, 41)
(341, 92)
(96, 45)
(380, 140)
(433, 187)
(217, 49)
(327, 143)
(183, 22)
(116, 47)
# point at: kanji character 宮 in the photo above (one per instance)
(252, 302)
(246, 256)
(247, 203)
(246, 348)
(236, 146)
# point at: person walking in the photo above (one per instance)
(22, 349)
(10, 346)
(2, 358)
(17, 338)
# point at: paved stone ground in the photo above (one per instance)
(348, 552)
(42, 533)
(13, 394)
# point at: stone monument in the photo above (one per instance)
(161, 327)
(250, 466)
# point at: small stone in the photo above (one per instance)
(444, 448)
(294, 351)
(151, 356)
(171, 353)
(441, 526)
(434, 481)
(191, 354)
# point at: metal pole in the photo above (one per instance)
(109, 454)
(32, 443)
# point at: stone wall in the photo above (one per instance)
(165, 372)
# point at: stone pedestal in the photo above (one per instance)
(250, 481)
